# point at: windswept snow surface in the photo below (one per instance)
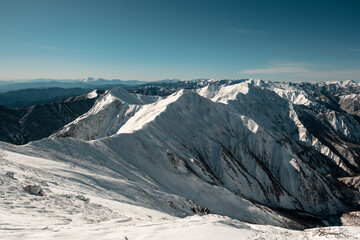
(81, 202)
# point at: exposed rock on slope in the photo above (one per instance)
(22, 125)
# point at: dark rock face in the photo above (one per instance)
(22, 125)
(343, 97)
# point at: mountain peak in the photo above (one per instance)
(88, 79)
(341, 83)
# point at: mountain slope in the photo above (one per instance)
(22, 125)
(236, 142)
(84, 201)
(29, 97)
(107, 115)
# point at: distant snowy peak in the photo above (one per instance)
(293, 94)
(101, 82)
(92, 80)
(93, 94)
(88, 79)
(123, 95)
(223, 94)
(343, 84)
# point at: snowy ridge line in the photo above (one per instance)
(107, 115)
(181, 102)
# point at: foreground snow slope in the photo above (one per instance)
(133, 179)
(65, 212)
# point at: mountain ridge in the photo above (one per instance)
(184, 105)
(252, 150)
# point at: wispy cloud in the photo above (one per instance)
(300, 71)
(354, 49)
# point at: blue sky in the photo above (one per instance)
(166, 39)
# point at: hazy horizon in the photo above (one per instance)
(158, 80)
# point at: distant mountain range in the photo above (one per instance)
(42, 91)
(86, 83)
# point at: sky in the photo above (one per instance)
(279, 40)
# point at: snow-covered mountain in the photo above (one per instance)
(23, 125)
(253, 138)
(107, 115)
(263, 115)
(282, 154)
